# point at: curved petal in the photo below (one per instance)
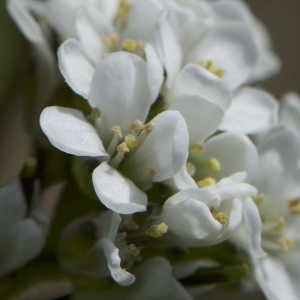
(252, 110)
(274, 279)
(235, 152)
(155, 71)
(120, 90)
(290, 111)
(182, 180)
(75, 67)
(117, 192)
(89, 38)
(202, 117)
(69, 131)
(164, 150)
(196, 81)
(232, 49)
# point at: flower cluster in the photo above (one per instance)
(182, 150)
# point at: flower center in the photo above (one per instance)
(209, 66)
(220, 216)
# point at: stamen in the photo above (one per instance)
(111, 41)
(191, 168)
(157, 231)
(286, 244)
(123, 12)
(149, 127)
(132, 45)
(123, 148)
(220, 217)
(294, 207)
(213, 164)
(196, 149)
(137, 126)
(259, 199)
(209, 66)
(131, 141)
(117, 131)
(207, 181)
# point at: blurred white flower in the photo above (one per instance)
(207, 216)
(122, 94)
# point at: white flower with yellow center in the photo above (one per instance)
(209, 215)
(121, 95)
(277, 179)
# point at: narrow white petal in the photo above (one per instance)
(182, 180)
(117, 192)
(164, 150)
(252, 110)
(75, 67)
(69, 131)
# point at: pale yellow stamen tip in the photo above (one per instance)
(149, 127)
(123, 148)
(213, 164)
(131, 141)
(137, 126)
(259, 199)
(123, 11)
(294, 207)
(280, 225)
(209, 65)
(111, 41)
(152, 172)
(220, 217)
(157, 231)
(117, 130)
(286, 244)
(207, 182)
(132, 45)
(191, 168)
(196, 149)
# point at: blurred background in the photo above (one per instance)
(280, 16)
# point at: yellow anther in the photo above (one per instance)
(123, 148)
(131, 141)
(191, 168)
(279, 225)
(286, 244)
(132, 45)
(294, 207)
(117, 130)
(209, 66)
(259, 199)
(207, 181)
(137, 126)
(157, 231)
(149, 127)
(111, 41)
(152, 172)
(123, 11)
(220, 217)
(213, 164)
(196, 149)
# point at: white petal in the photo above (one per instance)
(75, 67)
(232, 49)
(182, 180)
(235, 152)
(69, 131)
(112, 256)
(155, 71)
(290, 111)
(196, 81)
(274, 279)
(168, 49)
(164, 151)
(252, 110)
(89, 39)
(120, 90)
(189, 218)
(117, 192)
(109, 8)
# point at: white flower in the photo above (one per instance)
(154, 281)
(207, 216)
(100, 258)
(123, 93)
(277, 179)
(23, 235)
